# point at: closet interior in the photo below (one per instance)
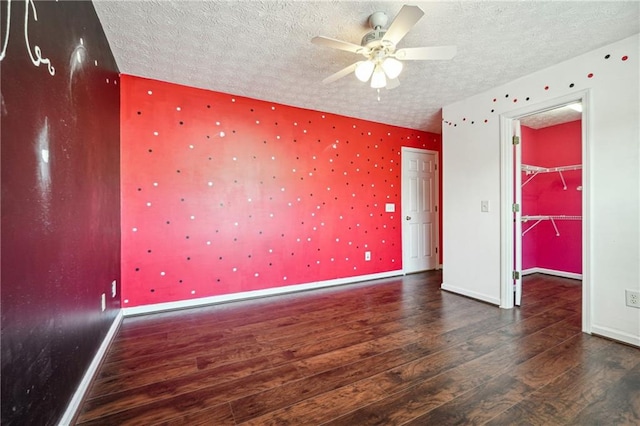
(551, 185)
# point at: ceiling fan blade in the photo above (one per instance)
(423, 53)
(337, 44)
(402, 23)
(343, 72)
(392, 83)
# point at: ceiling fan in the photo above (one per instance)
(382, 64)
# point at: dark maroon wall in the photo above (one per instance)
(60, 215)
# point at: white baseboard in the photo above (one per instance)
(471, 294)
(616, 335)
(554, 272)
(182, 304)
(74, 404)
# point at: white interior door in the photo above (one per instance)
(517, 213)
(419, 210)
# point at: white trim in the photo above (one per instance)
(182, 304)
(83, 387)
(507, 246)
(472, 294)
(554, 272)
(587, 208)
(616, 335)
(517, 216)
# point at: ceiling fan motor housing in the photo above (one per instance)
(373, 38)
(377, 21)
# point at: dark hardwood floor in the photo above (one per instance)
(395, 351)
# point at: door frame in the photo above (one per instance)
(403, 150)
(506, 198)
(517, 215)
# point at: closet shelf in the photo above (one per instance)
(552, 218)
(534, 171)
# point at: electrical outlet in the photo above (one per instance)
(633, 298)
(104, 302)
(113, 288)
(367, 256)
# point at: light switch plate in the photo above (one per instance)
(484, 206)
(389, 207)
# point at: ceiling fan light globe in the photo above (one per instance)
(392, 68)
(364, 70)
(378, 79)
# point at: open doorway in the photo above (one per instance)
(545, 204)
(548, 188)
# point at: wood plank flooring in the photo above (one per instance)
(389, 352)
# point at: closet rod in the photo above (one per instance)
(537, 169)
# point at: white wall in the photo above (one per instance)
(472, 172)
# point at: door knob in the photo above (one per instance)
(408, 217)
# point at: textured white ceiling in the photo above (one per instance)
(551, 117)
(262, 49)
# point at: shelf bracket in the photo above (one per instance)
(553, 222)
(564, 184)
(531, 227)
(530, 177)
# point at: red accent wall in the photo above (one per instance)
(554, 146)
(224, 194)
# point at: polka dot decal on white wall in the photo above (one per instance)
(497, 103)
